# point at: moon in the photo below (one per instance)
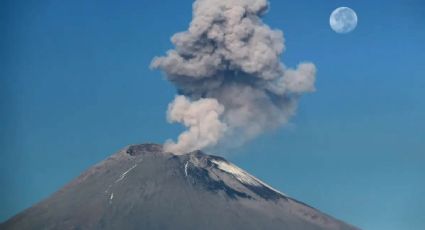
(343, 20)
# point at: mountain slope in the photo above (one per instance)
(142, 187)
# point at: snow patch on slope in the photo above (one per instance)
(241, 175)
(237, 172)
(111, 197)
(185, 167)
(125, 173)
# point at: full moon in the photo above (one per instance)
(343, 20)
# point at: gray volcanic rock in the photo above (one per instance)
(143, 187)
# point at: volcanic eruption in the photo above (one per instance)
(231, 87)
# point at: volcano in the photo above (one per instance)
(143, 187)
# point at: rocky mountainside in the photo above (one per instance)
(143, 187)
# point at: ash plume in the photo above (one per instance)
(231, 83)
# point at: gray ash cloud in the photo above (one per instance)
(231, 82)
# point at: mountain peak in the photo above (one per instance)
(143, 187)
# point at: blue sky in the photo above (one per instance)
(75, 86)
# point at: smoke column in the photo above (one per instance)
(231, 83)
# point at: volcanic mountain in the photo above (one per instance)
(143, 187)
